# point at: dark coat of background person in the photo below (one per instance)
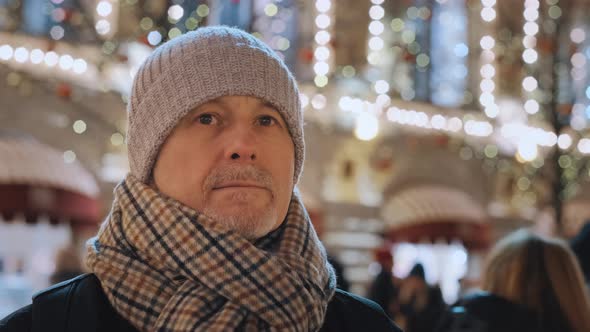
(81, 305)
(421, 318)
(485, 312)
(384, 292)
(341, 281)
(427, 319)
(580, 245)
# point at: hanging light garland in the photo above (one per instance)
(322, 66)
(58, 15)
(375, 52)
(322, 52)
(105, 18)
(487, 59)
(271, 24)
(579, 74)
(23, 55)
(529, 54)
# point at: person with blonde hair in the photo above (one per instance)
(530, 283)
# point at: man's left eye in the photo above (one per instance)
(266, 121)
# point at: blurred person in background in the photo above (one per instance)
(341, 281)
(421, 305)
(530, 283)
(68, 265)
(580, 244)
(384, 289)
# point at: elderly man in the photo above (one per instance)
(207, 232)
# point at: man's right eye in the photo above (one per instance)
(205, 119)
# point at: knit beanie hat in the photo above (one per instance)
(198, 67)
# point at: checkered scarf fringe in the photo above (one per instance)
(165, 267)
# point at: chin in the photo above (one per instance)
(231, 197)
(250, 224)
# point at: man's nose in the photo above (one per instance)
(242, 146)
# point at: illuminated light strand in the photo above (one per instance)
(322, 50)
(443, 123)
(105, 19)
(38, 57)
(529, 54)
(488, 70)
(375, 46)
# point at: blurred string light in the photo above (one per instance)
(518, 132)
(304, 99)
(104, 8)
(527, 138)
(414, 34)
(366, 126)
(69, 156)
(271, 24)
(322, 50)
(23, 55)
(181, 17)
(376, 29)
(449, 50)
(439, 122)
(117, 139)
(58, 15)
(403, 34)
(564, 141)
(105, 19)
(375, 47)
(319, 101)
(578, 35)
(488, 13)
(175, 13)
(176, 18)
(527, 151)
(529, 54)
(584, 145)
(154, 37)
(580, 76)
(79, 126)
(487, 60)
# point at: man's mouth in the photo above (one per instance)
(239, 185)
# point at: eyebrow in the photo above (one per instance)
(260, 104)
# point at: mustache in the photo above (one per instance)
(229, 173)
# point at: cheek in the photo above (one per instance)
(180, 172)
(173, 161)
(282, 165)
(282, 161)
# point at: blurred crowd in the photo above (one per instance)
(530, 283)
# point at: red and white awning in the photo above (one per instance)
(431, 213)
(35, 180)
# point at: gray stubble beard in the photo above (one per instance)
(250, 225)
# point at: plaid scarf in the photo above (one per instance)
(166, 267)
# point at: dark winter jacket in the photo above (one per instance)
(485, 312)
(384, 292)
(80, 304)
(427, 318)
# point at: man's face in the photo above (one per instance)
(233, 160)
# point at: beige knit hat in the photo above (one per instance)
(198, 67)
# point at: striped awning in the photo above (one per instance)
(35, 180)
(432, 213)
